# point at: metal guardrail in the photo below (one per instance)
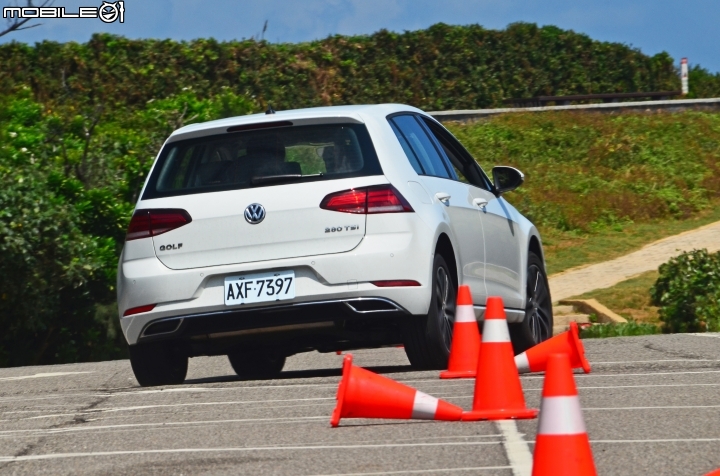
(607, 97)
(676, 105)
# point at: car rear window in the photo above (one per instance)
(264, 157)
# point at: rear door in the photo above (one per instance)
(255, 195)
(451, 195)
(502, 237)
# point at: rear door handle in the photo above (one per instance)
(480, 202)
(443, 197)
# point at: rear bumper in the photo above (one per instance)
(234, 323)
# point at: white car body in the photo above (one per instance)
(490, 240)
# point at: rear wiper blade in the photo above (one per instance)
(280, 178)
(275, 178)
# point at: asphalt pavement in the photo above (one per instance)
(651, 407)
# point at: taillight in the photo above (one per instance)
(139, 309)
(349, 201)
(153, 222)
(367, 200)
(392, 283)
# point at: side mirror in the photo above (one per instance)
(506, 178)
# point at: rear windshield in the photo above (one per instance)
(261, 158)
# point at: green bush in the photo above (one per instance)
(69, 178)
(688, 292)
(618, 330)
(703, 83)
(442, 67)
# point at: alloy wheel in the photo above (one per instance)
(539, 307)
(445, 302)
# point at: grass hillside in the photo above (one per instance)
(598, 185)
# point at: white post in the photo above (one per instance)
(684, 75)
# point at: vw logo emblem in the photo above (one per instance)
(254, 213)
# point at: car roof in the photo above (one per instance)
(357, 112)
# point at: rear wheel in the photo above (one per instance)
(256, 365)
(538, 323)
(158, 363)
(428, 338)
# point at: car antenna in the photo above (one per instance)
(270, 110)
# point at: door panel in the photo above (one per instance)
(466, 223)
(435, 172)
(503, 267)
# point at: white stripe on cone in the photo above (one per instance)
(561, 416)
(522, 363)
(424, 406)
(495, 330)
(465, 313)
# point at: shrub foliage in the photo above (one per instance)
(443, 67)
(688, 292)
(69, 178)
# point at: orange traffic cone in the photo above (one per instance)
(714, 473)
(465, 345)
(498, 393)
(363, 394)
(535, 359)
(562, 447)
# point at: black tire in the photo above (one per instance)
(538, 323)
(158, 364)
(427, 338)
(256, 365)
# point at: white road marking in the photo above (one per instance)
(653, 361)
(650, 374)
(602, 387)
(44, 375)
(665, 440)
(166, 390)
(326, 400)
(456, 437)
(438, 383)
(274, 407)
(516, 448)
(649, 386)
(11, 459)
(53, 415)
(668, 407)
(133, 393)
(423, 471)
(54, 397)
(193, 404)
(52, 431)
(193, 389)
(265, 387)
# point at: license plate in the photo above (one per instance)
(260, 287)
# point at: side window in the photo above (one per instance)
(422, 148)
(408, 151)
(466, 169)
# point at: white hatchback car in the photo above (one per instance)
(335, 228)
